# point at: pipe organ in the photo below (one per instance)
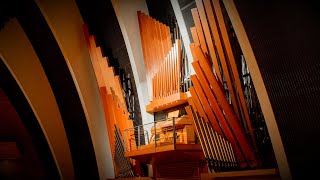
(215, 102)
(207, 121)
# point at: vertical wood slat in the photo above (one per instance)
(194, 36)
(163, 63)
(155, 34)
(208, 38)
(172, 72)
(163, 39)
(216, 38)
(160, 59)
(163, 79)
(157, 86)
(217, 145)
(167, 77)
(221, 153)
(198, 27)
(174, 60)
(161, 82)
(170, 60)
(226, 41)
(209, 94)
(236, 128)
(169, 42)
(110, 90)
(162, 53)
(178, 46)
(143, 35)
(227, 131)
(205, 104)
(208, 132)
(89, 41)
(152, 87)
(197, 104)
(226, 151)
(232, 153)
(202, 131)
(213, 143)
(196, 129)
(223, 150)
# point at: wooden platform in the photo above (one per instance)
(150, 149)
(167, 153)
(167, 102)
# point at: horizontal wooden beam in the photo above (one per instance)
(167, 102)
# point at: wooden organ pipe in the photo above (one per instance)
(216, 39)
(230, 125)
(199, 30)
(208, 38)
(205, 104)
(199, 133)
(235, 73)
(208, 17)
(166, 81)
(216, 149)
(158, 54)
(195, 36)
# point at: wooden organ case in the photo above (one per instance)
(170, 142)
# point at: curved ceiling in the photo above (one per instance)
(31, 158)
(81, 122)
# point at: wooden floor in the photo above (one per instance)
(136, 178)
(259, 174)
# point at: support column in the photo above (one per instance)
(126, 12)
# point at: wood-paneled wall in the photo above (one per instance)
(115, 109)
